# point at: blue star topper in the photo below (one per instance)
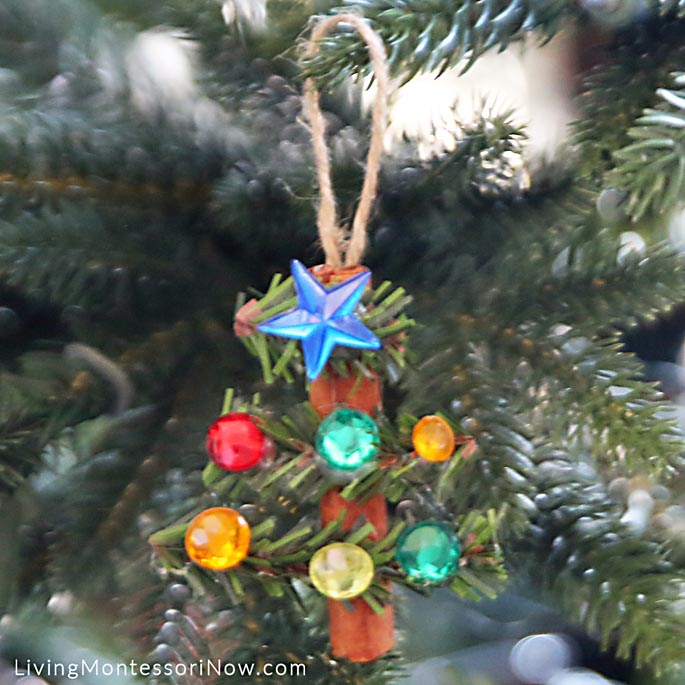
(323, 318)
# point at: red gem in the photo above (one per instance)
(234, 443)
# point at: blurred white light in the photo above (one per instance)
(160, 70)
(536, 658)
(640, 505)
(61, 603)
(251, 12)
(575, 346)
(632, 243)
(560, 263)
(159, 74)
(577, 676)
(523, 80)
(610, 205)
(31, 680)
(619, 390)
(676, 228)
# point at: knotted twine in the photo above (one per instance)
(338, 248)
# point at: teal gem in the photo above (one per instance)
(428, 551)
(347, 439)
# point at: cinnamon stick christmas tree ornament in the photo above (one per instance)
(339, 451)
(326, 317)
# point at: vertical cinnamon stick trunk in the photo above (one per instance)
(358, 392)
(357, 632)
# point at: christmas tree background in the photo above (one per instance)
(154, 165)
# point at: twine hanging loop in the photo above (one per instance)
(337, 248)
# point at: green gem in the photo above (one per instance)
(429, 551)
(347, 439)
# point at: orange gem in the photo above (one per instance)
(433, 438)
(218, 539)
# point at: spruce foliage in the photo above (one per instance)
(129, 227)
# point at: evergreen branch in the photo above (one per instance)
(54, 154)
(266, 201)
(394, 473)
(425, 36)
(596, 391)
(74, 187)
(672, 7)
(594, 273)
(460, 248)
(42, 396)
(612, 99)
(111, 266)
(590, 390)
(32, 31)
(556, 498)
(619, 584)
(598, 387)
(210, 626)
(583, 374)
(616, 91)
(578, 277)
(652, 168)
(44, 393)
(283, 560)
(112, 463)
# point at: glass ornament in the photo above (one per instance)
(347, 439)
(218, 539)
(433, 438)
(235, 443)
(341, 570)
(428, 551)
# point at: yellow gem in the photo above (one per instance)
(433, 438)
(341, 570)
(218, 539)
